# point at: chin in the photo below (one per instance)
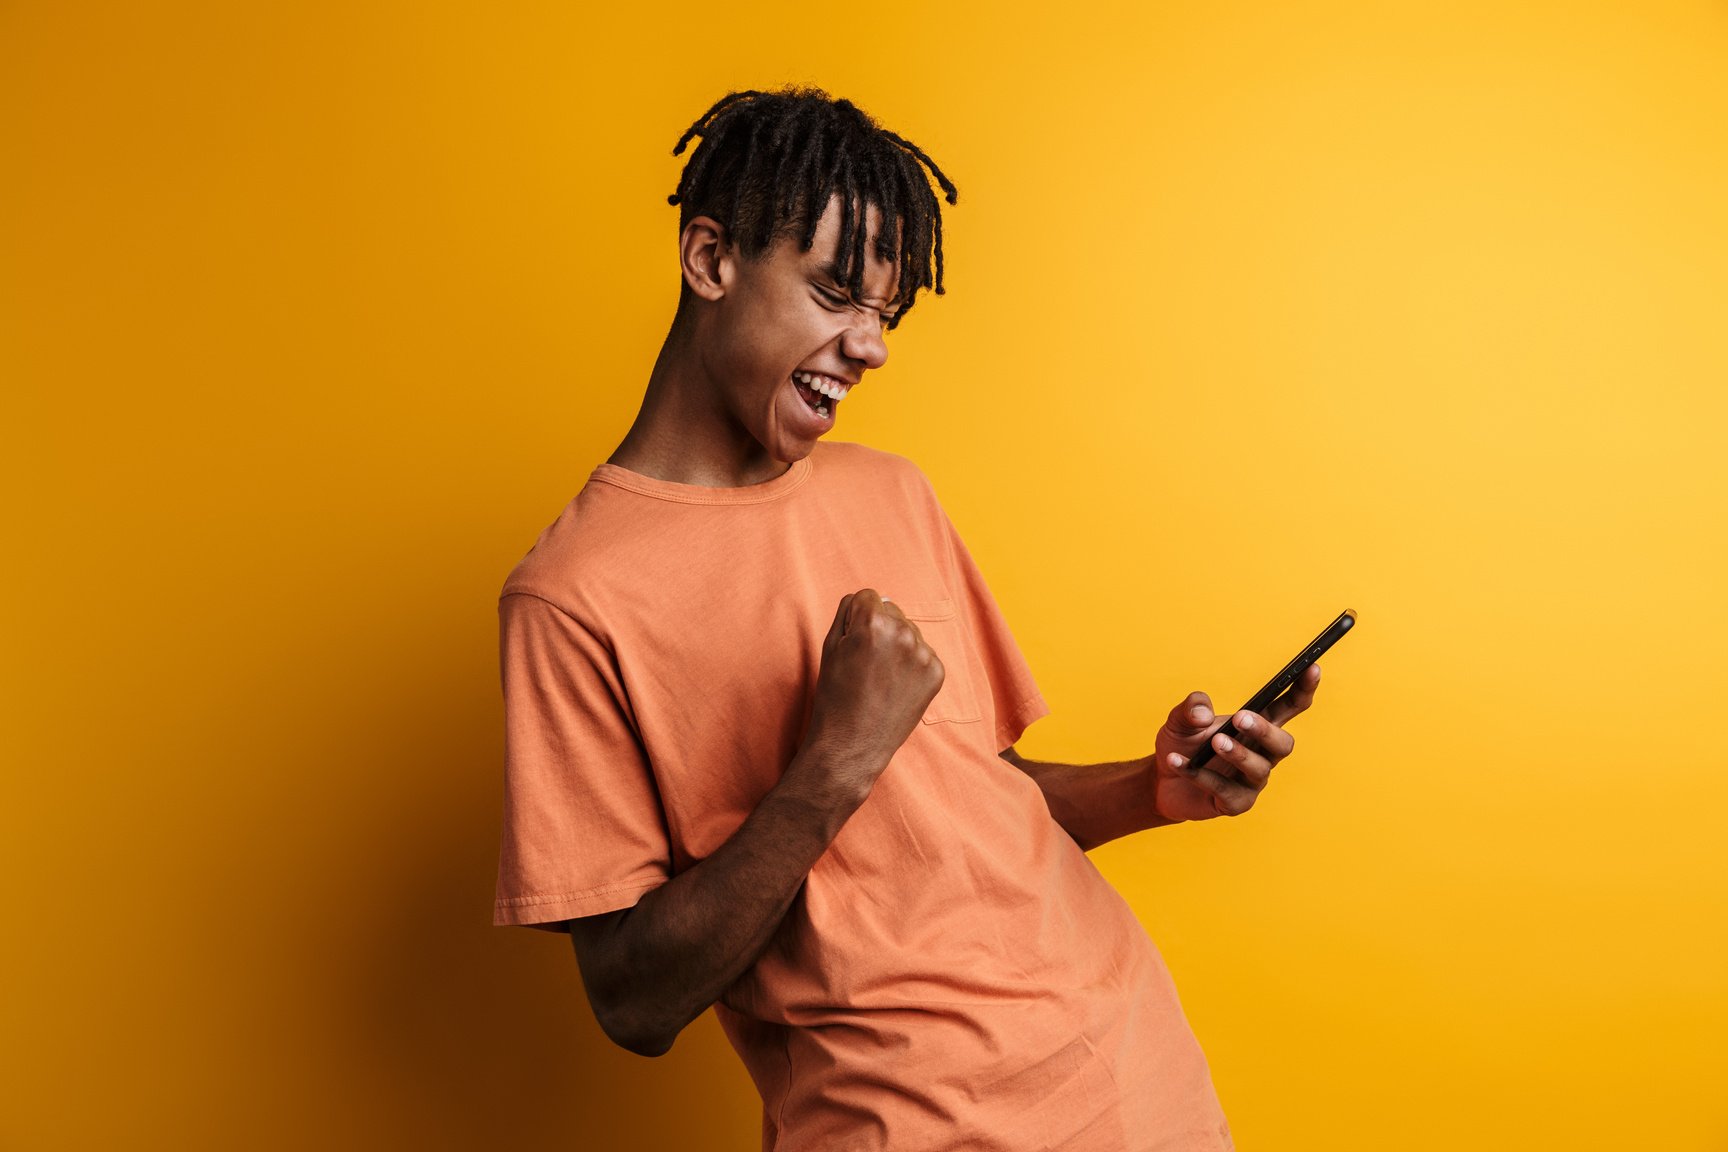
(795, 453)
(786, 447)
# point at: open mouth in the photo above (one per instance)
(820, 404)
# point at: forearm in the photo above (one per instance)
(1095, 803)
(688, 940)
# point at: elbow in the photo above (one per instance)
(638, 1009)
(643, 1042)
(632, 1030)
(649, 1046)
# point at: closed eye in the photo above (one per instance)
(838, 302)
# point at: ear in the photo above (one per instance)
(705, 254)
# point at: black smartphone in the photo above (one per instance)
(1275, 687)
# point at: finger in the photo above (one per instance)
(1238, 760)
(877, 603)
(1263, 736)
(887, 607)
(1191, 717)
(884, 618)
(842, 619)
(865, 603)
(1229, 797)
(1298, 698)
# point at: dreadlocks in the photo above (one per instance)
(769, 162)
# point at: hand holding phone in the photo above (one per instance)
(1275, 687)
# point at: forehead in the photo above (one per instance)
(825, 259)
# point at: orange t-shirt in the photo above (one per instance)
(955, 973)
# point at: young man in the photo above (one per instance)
(761, 709)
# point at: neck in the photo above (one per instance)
(684, 433)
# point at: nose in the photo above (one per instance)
(863, 343)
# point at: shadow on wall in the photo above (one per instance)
(442, 1030)
(480, 1033)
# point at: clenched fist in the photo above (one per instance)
(877, 678)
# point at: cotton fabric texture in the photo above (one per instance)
(955, 973)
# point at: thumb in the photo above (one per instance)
(838, 627)
(1192, 716)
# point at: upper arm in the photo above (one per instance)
(583, 827)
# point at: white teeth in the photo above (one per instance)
(818, 383)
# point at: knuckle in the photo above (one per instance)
(1234, 801)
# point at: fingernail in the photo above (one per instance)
(1201, 713)
(1177, 761)
(1225, 743)
(1246, 723)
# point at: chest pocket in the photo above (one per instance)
(939, 623)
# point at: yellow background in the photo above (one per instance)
(312, 316)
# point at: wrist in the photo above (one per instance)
(830, 777)
(1159, 818)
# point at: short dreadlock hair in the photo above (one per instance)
(769, 162)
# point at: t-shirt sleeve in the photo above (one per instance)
(1015, 698)
(584, 832)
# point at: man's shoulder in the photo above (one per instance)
(843, 459)
(583, 544)
(850, 454)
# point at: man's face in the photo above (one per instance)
(787, 330)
